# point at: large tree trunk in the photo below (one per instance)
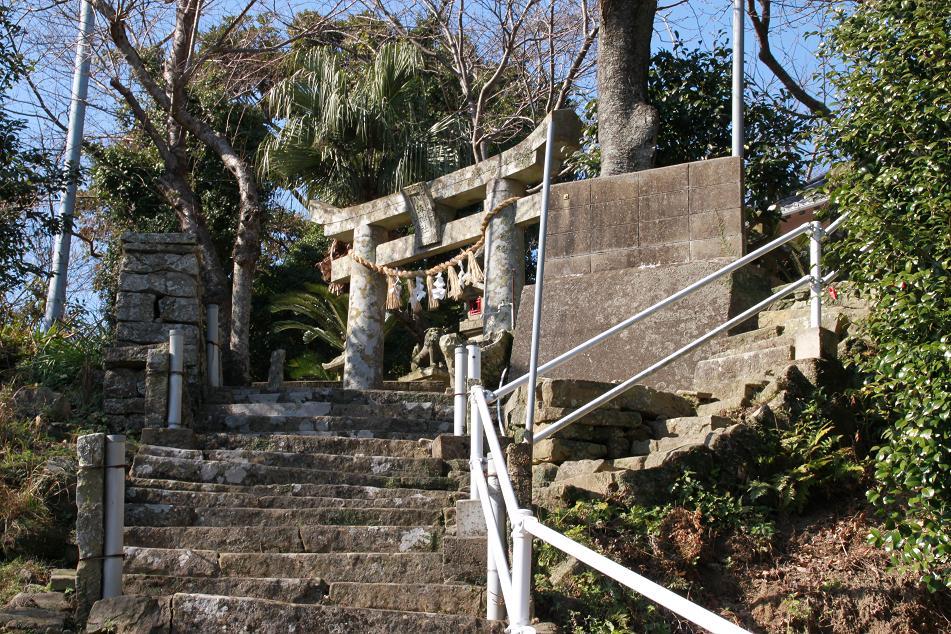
(247, 249)
(627, 123)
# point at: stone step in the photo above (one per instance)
(432, 598)
(369, 426)
(437, 387)
(287, 539)
(721, 375)
(315, 444)
(377, 465)
(406, 567)
(172, 515)
(443, 497)
(421, 410)
(750, 346)
(673, 443)
(792, 320)
(226, 472)
(304, 391)
(722, 407)
(687, 426)
(750, 337)
(208, 613)
(290, 590)
(396, 410)
(143, 495)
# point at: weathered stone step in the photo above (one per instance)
(290, 590)
(326, 408)
(303, 391)
(687, 425)
(719, 408)
(673, 443)
(433, 598)
(144, 495)
(316, 444)
(721, 376)
(287, 539)
(172, 515)
(225, 472)
(306, 408)
(297, 424)
(742, 347)
(745, 338)
(209, 613)
(444, 497)
(408, 567)
(795, 319)
(377, 465)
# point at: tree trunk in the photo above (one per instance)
(247, 249)
(627, 123)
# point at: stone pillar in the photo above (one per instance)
(504, 258)
(363, 355)
(159, 289)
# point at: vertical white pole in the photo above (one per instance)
(213, 348)
(738, 79)
(520, 613)
(476, 440)
(539, 281)
(815, 271)
(176, 370)
(114, 499)
(494, 609)
(56, 295)
(476, 447)
(459, 391)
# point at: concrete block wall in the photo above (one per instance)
(159, 290)
(683, 213)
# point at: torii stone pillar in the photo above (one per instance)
(504, 258)
(363, 354)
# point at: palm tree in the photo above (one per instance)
(355, 132)
(326, 315)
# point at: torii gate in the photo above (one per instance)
(431, 207)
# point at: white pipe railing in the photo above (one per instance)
(643, 586)
(628, 384)
(176, 372)
(539, 279)
(213, 346)
(563, 358)
(515, 586)
(459, 392)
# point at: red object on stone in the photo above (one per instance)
(475, 307)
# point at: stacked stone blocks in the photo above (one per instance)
(159, 290)
(682, 213)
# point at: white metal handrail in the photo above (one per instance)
(516, 585)
(631, 382)
(642, 585)
(563, 358)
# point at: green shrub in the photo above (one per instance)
(894, 128)
(807, 460)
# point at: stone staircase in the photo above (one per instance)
(311, 509)
(740, 371)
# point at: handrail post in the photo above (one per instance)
(493, 595)
(476, 441)
(815, 271)
(114, 503)
(520, 613)
(213, 347)
(539, 282)
(176, 370)
(459, 392)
